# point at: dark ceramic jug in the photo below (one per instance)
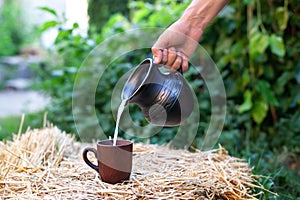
(165, 98)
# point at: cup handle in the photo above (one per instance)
(87, 161)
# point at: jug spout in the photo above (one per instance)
(165, 99)
(136, 80)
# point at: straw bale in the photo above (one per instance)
(47, 164)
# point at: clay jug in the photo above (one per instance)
(164, 98)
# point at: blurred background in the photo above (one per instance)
(254, 43)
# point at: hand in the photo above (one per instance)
(176, 45)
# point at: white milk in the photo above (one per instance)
(120, 111)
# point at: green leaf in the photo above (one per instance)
(48, 25)
(140, 15)
(63, 34)
(282, 80)
(75, 25)
(237, 48)
(245, 79)
(277, 45)
(258, 43)
(49, 10)
(259, 111)
(247, 104)
(282, 16)
(264, 89)
(249, 2)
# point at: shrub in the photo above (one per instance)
(11, 27)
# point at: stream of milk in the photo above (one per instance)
(120, 111)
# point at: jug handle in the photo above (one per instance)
(180, 70)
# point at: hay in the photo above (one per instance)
(47, 164)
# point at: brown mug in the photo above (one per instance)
(114, 162)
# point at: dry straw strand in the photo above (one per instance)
(46, 163)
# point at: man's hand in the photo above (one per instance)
(175, 46)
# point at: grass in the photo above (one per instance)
(11, 124)
(279, 167)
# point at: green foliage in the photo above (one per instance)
(11, 124)
(255, 45)
(160, 14)
(260, 68)
(12, 28)
(58, 74)
(100, 11)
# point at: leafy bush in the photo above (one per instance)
(256, 55)
(100, 11)
(57, 76)
(11, 28)
(255, 46)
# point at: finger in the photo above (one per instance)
(171, 56)
(164, 56)
(176, 63)
(185, 64)
(157, 55)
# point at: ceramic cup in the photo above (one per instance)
(114, 162)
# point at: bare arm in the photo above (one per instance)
(177, 43)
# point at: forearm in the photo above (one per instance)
(200, 13)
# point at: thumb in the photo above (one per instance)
(157, 54)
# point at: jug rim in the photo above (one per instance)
(142, 82)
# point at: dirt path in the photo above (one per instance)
(16, 102)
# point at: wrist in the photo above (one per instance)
(193, 27)
(199, 14)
